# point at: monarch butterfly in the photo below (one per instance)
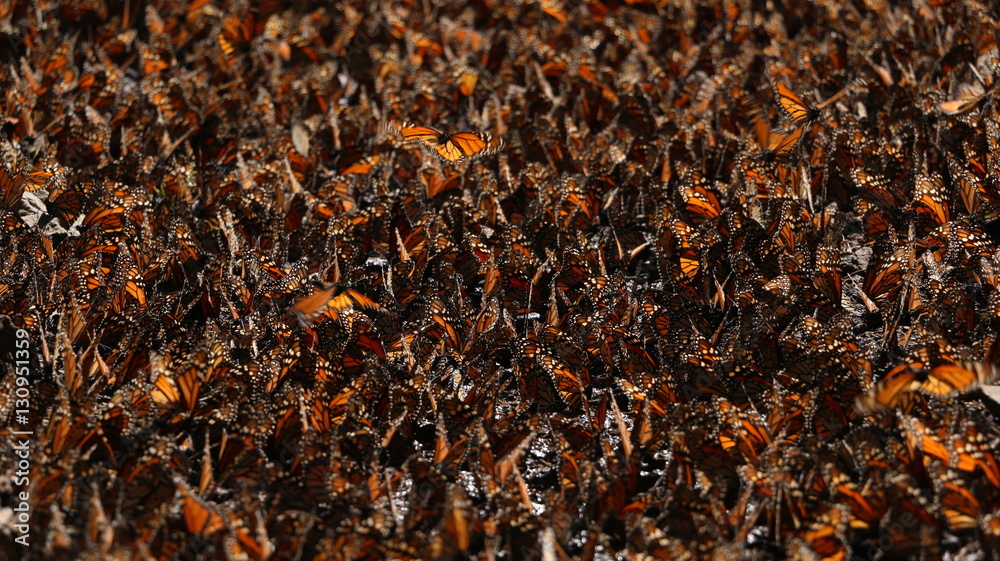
(967, 452)
(877, 190)
(131, 286)
(11, 223)
(43, 176)
(968, 187)
(828, 278)
(107, 219)
(437, 183)
(885, 275)
(797, 110)
(821, 539)
(948, 379)
(439, 313)
(451, 147)
(509, 278)
(200, 519)
(319, 414)
(960, 508)
(180, 394)
(552, 366)
(82, 145)
(687, 251)
(957, 237)
(565, 382)
(147, 480)
(287, 429)
(59, 71)
(744, 432)
(757, 178)
(236, 37)
(309, 308)
(578, 204)
(11, 188)
(865, 510)
(876, 223)
(930, 198)
(362, 167)
(942, 381)
(780, 145)
(67, 202)
(700, 199)
(573, 272)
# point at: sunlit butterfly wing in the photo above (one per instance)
(931, 200)
(780, 145)
(797, 110)
(451, 148)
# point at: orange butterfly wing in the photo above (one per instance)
(779, 146)
(470, 143)
(410, 132)
(363, 167)
(885, 276)
(931, 199)
(450, 151)
(700, 200)
(467, 83)
(453, 148)
(793, 106)
(310, 307)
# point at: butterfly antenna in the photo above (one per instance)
(718, 169)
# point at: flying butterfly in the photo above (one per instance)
(797, 110)
(780, 145)
(943, 381)
(451, 147)
(310, 307)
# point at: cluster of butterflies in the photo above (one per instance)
(700, 279)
